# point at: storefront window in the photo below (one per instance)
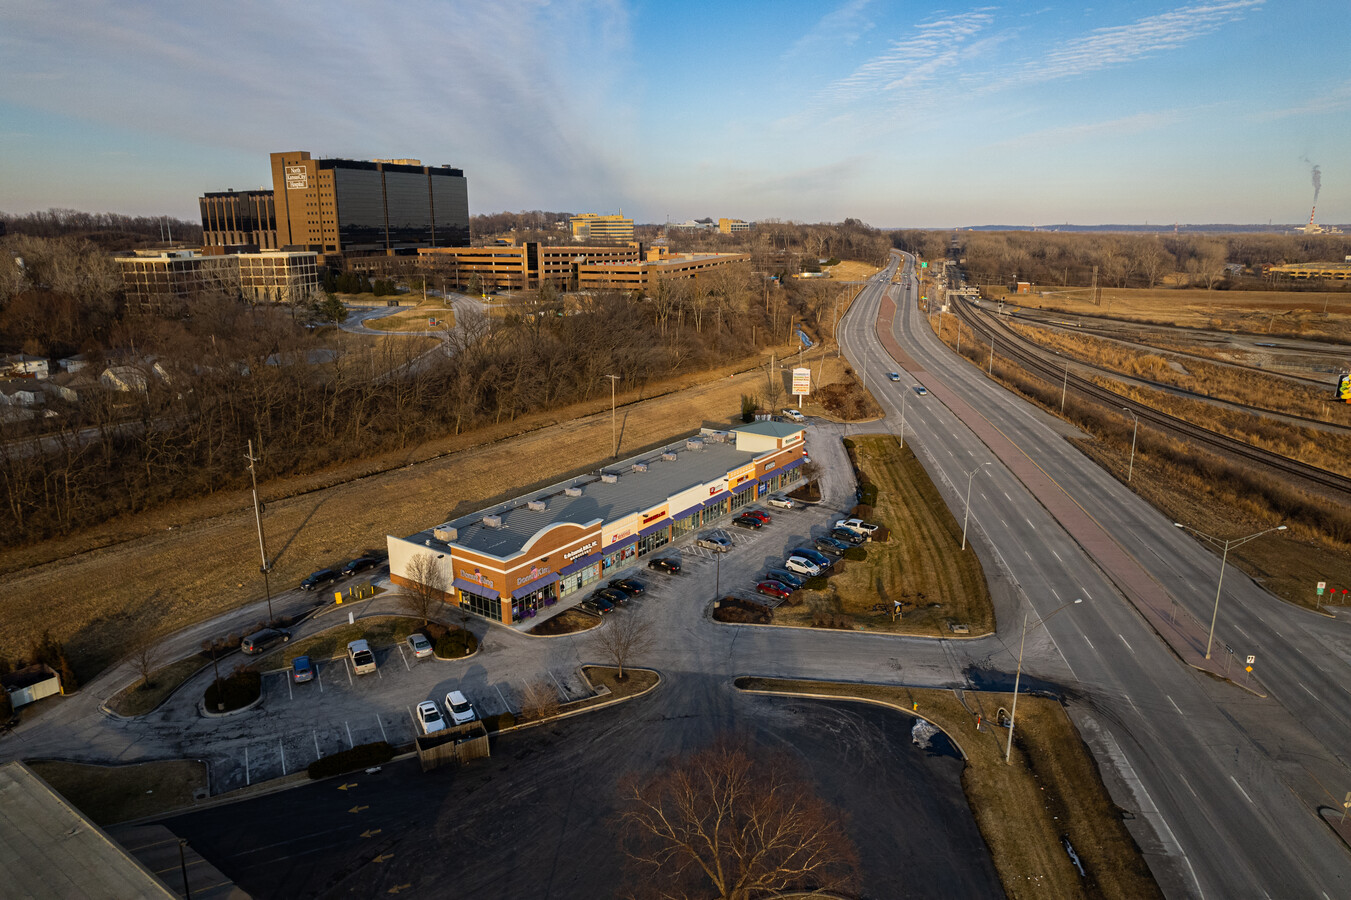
(487, 607)
(526, 607)
(619, 557)
(741, 499)
(653, 541)
(685, 525)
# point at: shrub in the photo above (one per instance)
(455, 643)
(815, 583)
(856, 553)
(867, 494)
(362, 756)
(241, 688)
(881, 535)
(862, 511)
(848, 443)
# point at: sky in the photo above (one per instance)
(900, 114)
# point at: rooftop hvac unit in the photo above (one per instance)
(640, 467)
(492, 521)
(669, 456)
(446, 533)
(609, 477)
(717, 437)
(694, 444)
(573, 491)
(536, 505)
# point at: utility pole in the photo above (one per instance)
(614, 435)
(1064, 385)
(258, 519)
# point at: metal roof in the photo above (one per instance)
(631, 492)
(772, 429)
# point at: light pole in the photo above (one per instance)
(1225, 545)
(258, 519)
(614, 435)
(1013, 707)
(967, 515)
(1130, 470)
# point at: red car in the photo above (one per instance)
(758, 514)
(773, 589)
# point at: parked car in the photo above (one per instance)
(802, 566)
(894, 376)
(774, 589)
(788, 578)
(665, 564)
(363, 660)
(814, 555)
(858, 525)
(750, 522)
(830, 546)
(781, 502)
(360, 564)
(302, 670)
(430, 718)
(718, 543)
(420, 646)
(759, 514)
(260, 640)
(793, 414)
(460, 709)
(323, 576)
(921, 390)
(614, 595)
(598, 605)
(630, 586)
(846, 536)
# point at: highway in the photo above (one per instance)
(1224, 783)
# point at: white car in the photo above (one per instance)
(857, 525)
(802, 566)
(430, 718)
(780, 501)
(793, 414)
(420, 646)
(460, 709)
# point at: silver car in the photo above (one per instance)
(715, 541)
(420, 646)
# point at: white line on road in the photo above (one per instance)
(282, 749)
(319, 675)
(1188, 784)
(384, 736)
(289, 692)
(317, 754)
(1126, 642)
(1306, 690)
(1029, 523)
(1007, 497)
(505, 704)
(1057, 556)
(246, 767)
(1056, 593)
(350, 742)
(349, 673)
(403, 657)
(1090, 644)
(1028, 555)
(1240, 788)
(1087, 595)
(1175, 706)
(1132, 703)
(561, 692)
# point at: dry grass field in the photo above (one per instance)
(417, 318)
(852, 270)
(162, 570)
(920, 564)
(1051, 788)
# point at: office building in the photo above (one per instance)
(238, 222)
(156, 279)
(591, 227)
(733, 226)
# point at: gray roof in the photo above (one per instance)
(632, 492)
(48, 849)
(773, 429)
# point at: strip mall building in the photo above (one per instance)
(509, 561)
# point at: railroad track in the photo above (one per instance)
(1012, 346)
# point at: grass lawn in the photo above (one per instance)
(1051, 788)
(569, 621)
(137, 699)
(920, 565)
(112, 794)
(636, 681)
(379, 631)
(416, 318)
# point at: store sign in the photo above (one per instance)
(620, 535)
(654, 516)
(297, 178)
(477, 577)
(534, 573)
(802, 381)
(772, 464)
(580, 551)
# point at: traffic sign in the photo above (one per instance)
(1321, 586)
(1251, 660)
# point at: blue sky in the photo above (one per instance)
(899, 114)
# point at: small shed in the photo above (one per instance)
(457, 744)
(30, 684)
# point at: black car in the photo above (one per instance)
(748, 522)
(360, 564)
(847, 536)
(262, 639)
(630, 586)
(323, 576)
(614, 595)
(784, 576)
(829, 546)
(665, 564)
(598, 604)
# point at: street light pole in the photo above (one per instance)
(1013, 707)
(967, 515)
(1130, 470)
(1224, 558)
(614, 435)
(258, 519)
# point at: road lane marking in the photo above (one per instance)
(246, 767)
(290, 693)
(1029, 523)
(1126, 642)
(317, 754)
(1090, 644)
(1240, 789)
(282, 750)
(1056, 593)
(1175, 706)
(350, 742)
(349, 673)
(1007, 497)
(1087, 595)
(1306, 690)
(382, 728)
(1188, 784)
(1057, 556)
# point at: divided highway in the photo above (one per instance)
(1225, 783)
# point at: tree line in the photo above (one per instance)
(112, 230)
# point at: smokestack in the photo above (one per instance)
(1311, 212)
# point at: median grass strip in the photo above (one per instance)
(112, 794)
(921, 564)
(1052, 789)
(141, 697)
(378, 631)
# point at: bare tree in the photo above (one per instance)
(739, 826)
(539, 700)
(622, 638)
(426, 587)
(145, 658)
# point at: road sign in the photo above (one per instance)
(802, 381)
(1322, 585)
(1251, 660)
(1248, 668)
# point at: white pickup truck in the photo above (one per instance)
(858, 526)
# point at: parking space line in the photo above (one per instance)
(403, 657)
(247, 782)
(289, 692)
(382, 728)
(562, 693)
(283, 755)
(350, 743)
(349, 673)
(317, 754)
(320, 676)
(505, 704)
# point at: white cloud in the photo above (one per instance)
(841, 27)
